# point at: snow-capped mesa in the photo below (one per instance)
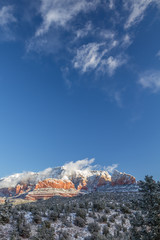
(69, 180)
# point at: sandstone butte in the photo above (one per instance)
(55, 183)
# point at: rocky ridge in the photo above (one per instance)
(63, 182)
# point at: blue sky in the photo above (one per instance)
(80, 79)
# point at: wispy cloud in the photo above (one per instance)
(88, 44)
(112, 63)
(84, 166)
(83, 32)
(111, 4)
(61, 12)
(158, 54)
(111, 168)
(88, 56)
(94, 56)
(118, 98)
(7, 15)
(6, 19)
(137, 10)
(150, 80)
(126, 40)
(106, 34)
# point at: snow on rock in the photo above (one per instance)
(119, 178)
(77, 176)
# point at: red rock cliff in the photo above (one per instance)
(119, 178)
(22, 188)
(55, 183)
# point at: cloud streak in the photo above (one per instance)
(89, 56)
(72, 32)
(7, 19)
(150, 80)
(7, 16)
(137, 10)
(59, 13)
(111, 168)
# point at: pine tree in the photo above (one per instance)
(149, 216)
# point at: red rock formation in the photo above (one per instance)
(119, 178)
(2, 200)
(55, 183)
(68, 188)
(103, 180)
(82, 185)
(22, 188)
(98, 180)
(38, 196)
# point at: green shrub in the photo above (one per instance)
(93, 227)
(80, 222)
(37, 219)
(81, 213)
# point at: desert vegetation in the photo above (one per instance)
(99, 215)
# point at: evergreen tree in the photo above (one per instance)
(149, 216)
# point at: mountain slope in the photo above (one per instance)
(68, 180)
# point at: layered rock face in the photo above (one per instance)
(52, 187)
(23, 188)
(119, 178)
(55, 183)
(61, 181)
(97, 179)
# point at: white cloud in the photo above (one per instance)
(137, 10)
(111, 168)
(89, 56)
(72, 168)
(7, 20)
(111, 4)
(118, 98)
(107, 34)
(60, 12)
(6, 16)
(94, 56)
(82, 167)
(150, 80)
(80, 33)
(112, 63)
(25, 177)
(126, 40)
(158, 54)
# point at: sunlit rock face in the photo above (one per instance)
(69, 180)
(104, 179)
(55, 183)
(22, 188)
(119, 178)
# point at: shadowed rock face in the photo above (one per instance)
(7, 192)
(119, 178)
